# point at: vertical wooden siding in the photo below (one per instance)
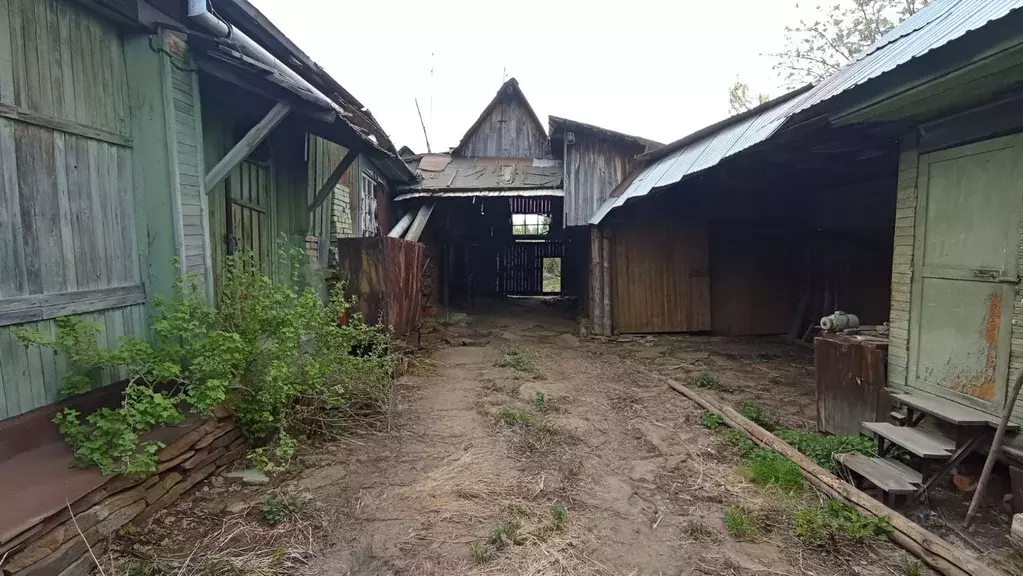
(659, 280)
(322, 156)
(593, 167)
(902, 264)
(67, 219)
(509, 131)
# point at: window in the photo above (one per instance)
(530, 224)
(368, 225)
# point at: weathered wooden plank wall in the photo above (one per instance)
(593, 167)
(67, 217)
(509, 131)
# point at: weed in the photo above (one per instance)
(773, 469)
(740, 442)
(140, 567)
(503, 534)
(821, 449)
(711, 420)
(560, 516)
(822, 525)
(708, 381)
(540, 401)
(479, 552)
(274, 510)
(740, 522)
(514, 417)
(910, 566)
(515, 360)
(758, 414)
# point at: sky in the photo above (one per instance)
(656, 69)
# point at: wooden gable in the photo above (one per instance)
(507, 128)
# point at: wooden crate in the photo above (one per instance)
(852, 373)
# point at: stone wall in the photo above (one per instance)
(54, 547)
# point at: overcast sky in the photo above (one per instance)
(657, 69)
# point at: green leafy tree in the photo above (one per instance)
(818, 46)
(740, 99)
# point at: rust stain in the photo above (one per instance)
(984, 389)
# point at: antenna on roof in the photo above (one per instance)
(504, 74)
(425, 137)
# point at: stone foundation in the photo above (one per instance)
(54, 547)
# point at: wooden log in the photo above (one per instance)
(934, 551)
(246, 145)
(596, 277)
(605, 265)
(402, 225)
(419, 224)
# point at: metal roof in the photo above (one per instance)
(444, 172)
(549, 192)
(937, 24)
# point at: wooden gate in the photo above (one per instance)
(248, 200)
(520, 266)
(965, 270)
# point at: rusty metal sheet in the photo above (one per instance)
(434, 162)
(489, 174)
(385, 276)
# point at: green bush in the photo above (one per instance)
(271, 350)
(823, 525)
(822, 448)
(711, 420)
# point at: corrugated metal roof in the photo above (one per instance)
(477, 173)
(939, 23)
(555, 192)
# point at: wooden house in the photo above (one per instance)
(137, 134)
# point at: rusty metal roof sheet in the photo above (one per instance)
(549, 192)
(488, 174)
(939, 23)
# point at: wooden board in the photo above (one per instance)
(923, 444)
(949, 411)
(881, 473)
(851, 378)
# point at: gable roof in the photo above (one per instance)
(509, 91)
(939, 23)
(559, 126)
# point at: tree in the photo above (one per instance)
(815, 49)
(739, 99)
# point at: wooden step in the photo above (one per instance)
(888, 475)
(949, 411)
(923, 444)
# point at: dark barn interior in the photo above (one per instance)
(491, 245)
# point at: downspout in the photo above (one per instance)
(199, 13)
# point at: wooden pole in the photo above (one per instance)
(937, 553)
(246, 145)
(402, 225)
(332, 180)
(996, 445)
(596, 277)
(419, 224)
(605, 265)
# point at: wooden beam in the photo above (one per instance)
(605, 270)
(248, 143)
(29, 117)
(333, 179)
(402, 225)
(930, 548)
(44, 307)
(419, 224)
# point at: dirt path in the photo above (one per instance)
(610, 474)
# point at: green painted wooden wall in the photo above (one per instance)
(68, 236)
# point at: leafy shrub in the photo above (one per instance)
(711, 420)
(822, 448)
(773, 469)
(708, 381)
(825, 524)
(273, 510)
(271, 350)
(757, 413)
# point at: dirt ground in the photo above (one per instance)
(610, 473)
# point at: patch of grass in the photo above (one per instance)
(540, 435)
(273, 510)
(515, 417)
(708, 381)
(711, 420)
(503, 534)
(560, 516)
(772, 469)
(910, 566)
(479, 552)
(141, 567)
(822, 448)
(740, 521)
(758, 414)
(824, 525)
(741, 442)
(540, 401)
(516, 360)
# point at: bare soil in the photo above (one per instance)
(470, 448)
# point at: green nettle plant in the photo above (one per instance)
(272, 351)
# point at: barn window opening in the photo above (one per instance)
(552, 275)
(531, 224)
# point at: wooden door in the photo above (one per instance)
(247, 192)
(965, 271)
(659, 277)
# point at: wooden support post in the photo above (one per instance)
(930, 548)
(248, 143)
(402, 225)
(419, 224)
(606, 283)
(333, 179)
(596, 279)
